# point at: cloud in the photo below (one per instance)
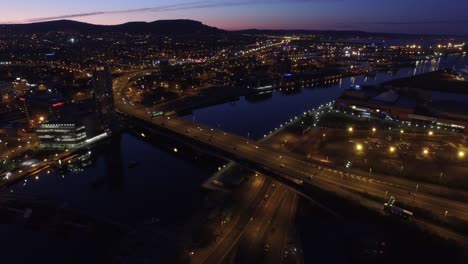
(177, 7)
(136, 10)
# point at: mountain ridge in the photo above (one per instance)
(177, 27)
(159, 27)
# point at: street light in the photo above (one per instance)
(431, 133)
(350, 129)
(191, 253)
(425, 152)
(374, 129)
(392, 149)
(461, 154)
(359, 147)
(402, 131)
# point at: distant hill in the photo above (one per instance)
(160, 27)
(175, 27)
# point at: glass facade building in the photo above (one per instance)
(61, 136)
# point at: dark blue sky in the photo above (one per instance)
(405, 16)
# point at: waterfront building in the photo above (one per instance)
(61, 135)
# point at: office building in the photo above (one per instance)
(103, 96)
(61, 135)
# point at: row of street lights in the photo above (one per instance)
(392, 149)
(425, 151)
(318, 111)
(374, 129)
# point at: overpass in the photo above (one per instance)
(440, 201)
(297, 169)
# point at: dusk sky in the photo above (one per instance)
(405, 16)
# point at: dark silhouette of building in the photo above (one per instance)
(103, 96)
(283, 64)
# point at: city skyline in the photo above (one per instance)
(435, 17)
(175, 132)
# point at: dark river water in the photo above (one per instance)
(164, 185)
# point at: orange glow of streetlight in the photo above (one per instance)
(431, 133)
(425, 152)
(461, 154)
(359, 147)
(374, 129)
(392, 149)
(350, 129)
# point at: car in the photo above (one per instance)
(282, 165)
(266, 247)
(285, 254)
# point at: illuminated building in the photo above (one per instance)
(23, 106)
(61, 135)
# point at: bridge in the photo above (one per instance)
(442, 202)
(297, 169)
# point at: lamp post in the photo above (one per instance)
(190, 254)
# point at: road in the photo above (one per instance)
(427, 197)
(266, 237)
(251, 202)
(279, 162)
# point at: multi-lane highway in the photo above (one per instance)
(266, 237)
(279, 162)
(438, 200)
